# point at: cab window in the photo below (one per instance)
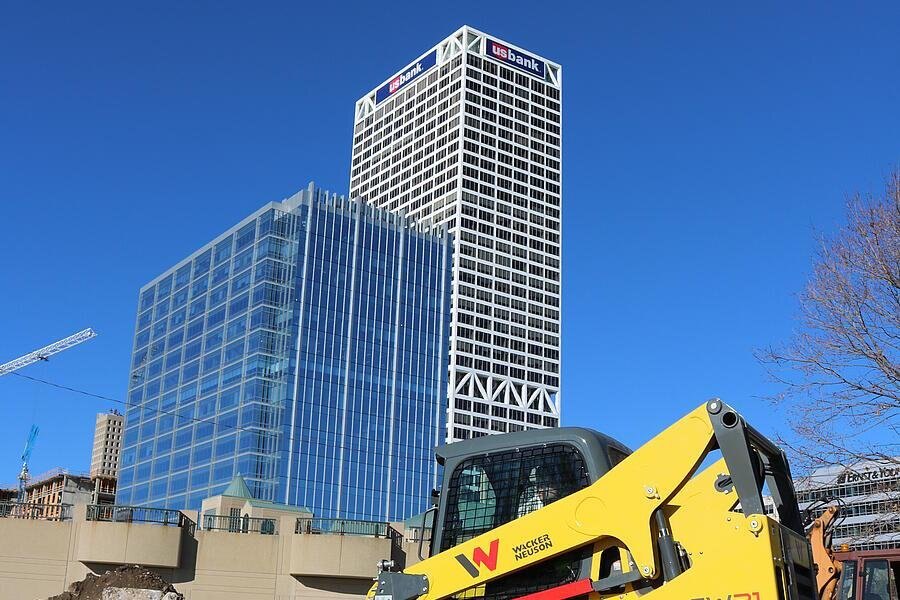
(877, 580)
(615, 456)
(848, 581)
(485, 492)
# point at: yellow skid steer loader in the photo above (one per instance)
(554, 514)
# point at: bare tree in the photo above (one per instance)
(841, 371)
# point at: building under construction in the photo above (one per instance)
(56, 491)
(59, 489)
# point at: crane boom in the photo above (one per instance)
(47, 351)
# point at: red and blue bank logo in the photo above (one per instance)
(516, 58)
(403, 78)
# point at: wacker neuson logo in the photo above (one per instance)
(518, 59)
(403, 78)
(538, 544)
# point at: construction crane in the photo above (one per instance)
(23, 361)
(47, 351)
(26, 454)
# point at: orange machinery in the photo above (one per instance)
(845, 574)
(828, 569)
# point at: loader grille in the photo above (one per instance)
(797, 556)
(806, 582)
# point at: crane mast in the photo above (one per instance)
(26, 454)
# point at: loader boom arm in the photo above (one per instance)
(657, 490)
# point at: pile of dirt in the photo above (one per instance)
(130, 576)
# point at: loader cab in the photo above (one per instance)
(492, 480)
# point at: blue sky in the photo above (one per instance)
(705, 146)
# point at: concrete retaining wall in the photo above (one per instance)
(39, 559)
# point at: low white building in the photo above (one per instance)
(869, 496)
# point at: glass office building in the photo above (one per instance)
(305, 349)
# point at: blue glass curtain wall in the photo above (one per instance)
(306, 350)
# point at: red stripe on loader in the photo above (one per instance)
(562, 592)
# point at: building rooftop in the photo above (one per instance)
(861, 471)
(41, 478)
(460, 34)
(238, 489)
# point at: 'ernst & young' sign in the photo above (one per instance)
(868, 475)
(410, 73)
(519, 60)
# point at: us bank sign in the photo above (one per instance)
(408, 75)
(516, 58)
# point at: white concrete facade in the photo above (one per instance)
(868, 494)
(468, 136)
(107, 443)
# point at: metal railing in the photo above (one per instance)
(317, 526)
(139, 514)
(55, 472)
(414, 534)
(38, 511)
(187, 524)
(245, 524)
